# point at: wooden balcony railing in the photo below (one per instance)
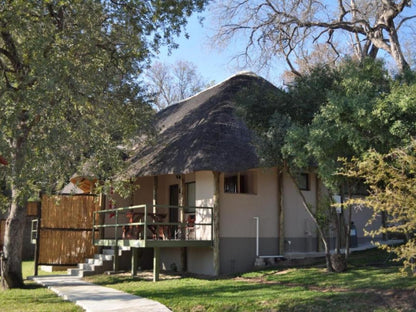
(147, 226)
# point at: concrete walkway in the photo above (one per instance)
(94, 298)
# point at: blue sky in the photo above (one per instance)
(212, 64)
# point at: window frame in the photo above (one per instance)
(242, 182)
(306, 179)
(190, 210)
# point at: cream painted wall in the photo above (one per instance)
(360, 216)
(238, 210)
(143, 194)
(204, 188)
(204, 192)
(144, 191)
(201, 261)
(298, 223)
(170, 258)
(164, 182)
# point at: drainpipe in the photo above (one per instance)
(257, 235)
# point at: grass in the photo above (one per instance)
(375, 287)
(33, 297)
(372, 283)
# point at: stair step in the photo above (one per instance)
(103, 257)
(76, 272)
(86, 266)
(111, 251)
(97, 261)
(108, 252)
(97, 265)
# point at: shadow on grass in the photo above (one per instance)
(231, 295)
(32, 285)
(361, 288)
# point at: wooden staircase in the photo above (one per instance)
(97, 265)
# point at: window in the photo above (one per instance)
(241, 182)
(303, 181)
(231, 184)
(190, 197)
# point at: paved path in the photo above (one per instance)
(94, 298)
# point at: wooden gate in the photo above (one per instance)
(64, 233)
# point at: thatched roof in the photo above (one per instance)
(201, 133)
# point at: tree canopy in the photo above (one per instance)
(331, 114)
(70, 91)
(391, 182)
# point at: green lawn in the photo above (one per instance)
(376, 287)
(33, 297)
(371, 284)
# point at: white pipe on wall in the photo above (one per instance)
(257, 235)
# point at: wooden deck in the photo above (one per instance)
(142, 226)
(150, 243)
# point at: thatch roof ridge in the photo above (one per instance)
(201, 133)
(241, 73)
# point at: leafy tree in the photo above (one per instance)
(273, 116)
(330, 114)
(389, 172)
(345, 126)
(69, 92)
(172, 83)
(289, 29)
(391, 179)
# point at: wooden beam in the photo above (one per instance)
(216, 223)
(181, 203)
(280, 211)
(155, 191)
(156, 263)
(134, 260)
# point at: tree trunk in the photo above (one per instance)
(13, 242)
(348, 234)
(396, 51)
(318, 226)
(338, 262)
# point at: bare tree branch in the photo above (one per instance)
(268, 25)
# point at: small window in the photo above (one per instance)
(242, 182)
(303, 181)
(231, 184)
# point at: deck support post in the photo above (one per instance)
(134, 261)
(216, 223)
(37, 247)
(156, 263)
(115, 258)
